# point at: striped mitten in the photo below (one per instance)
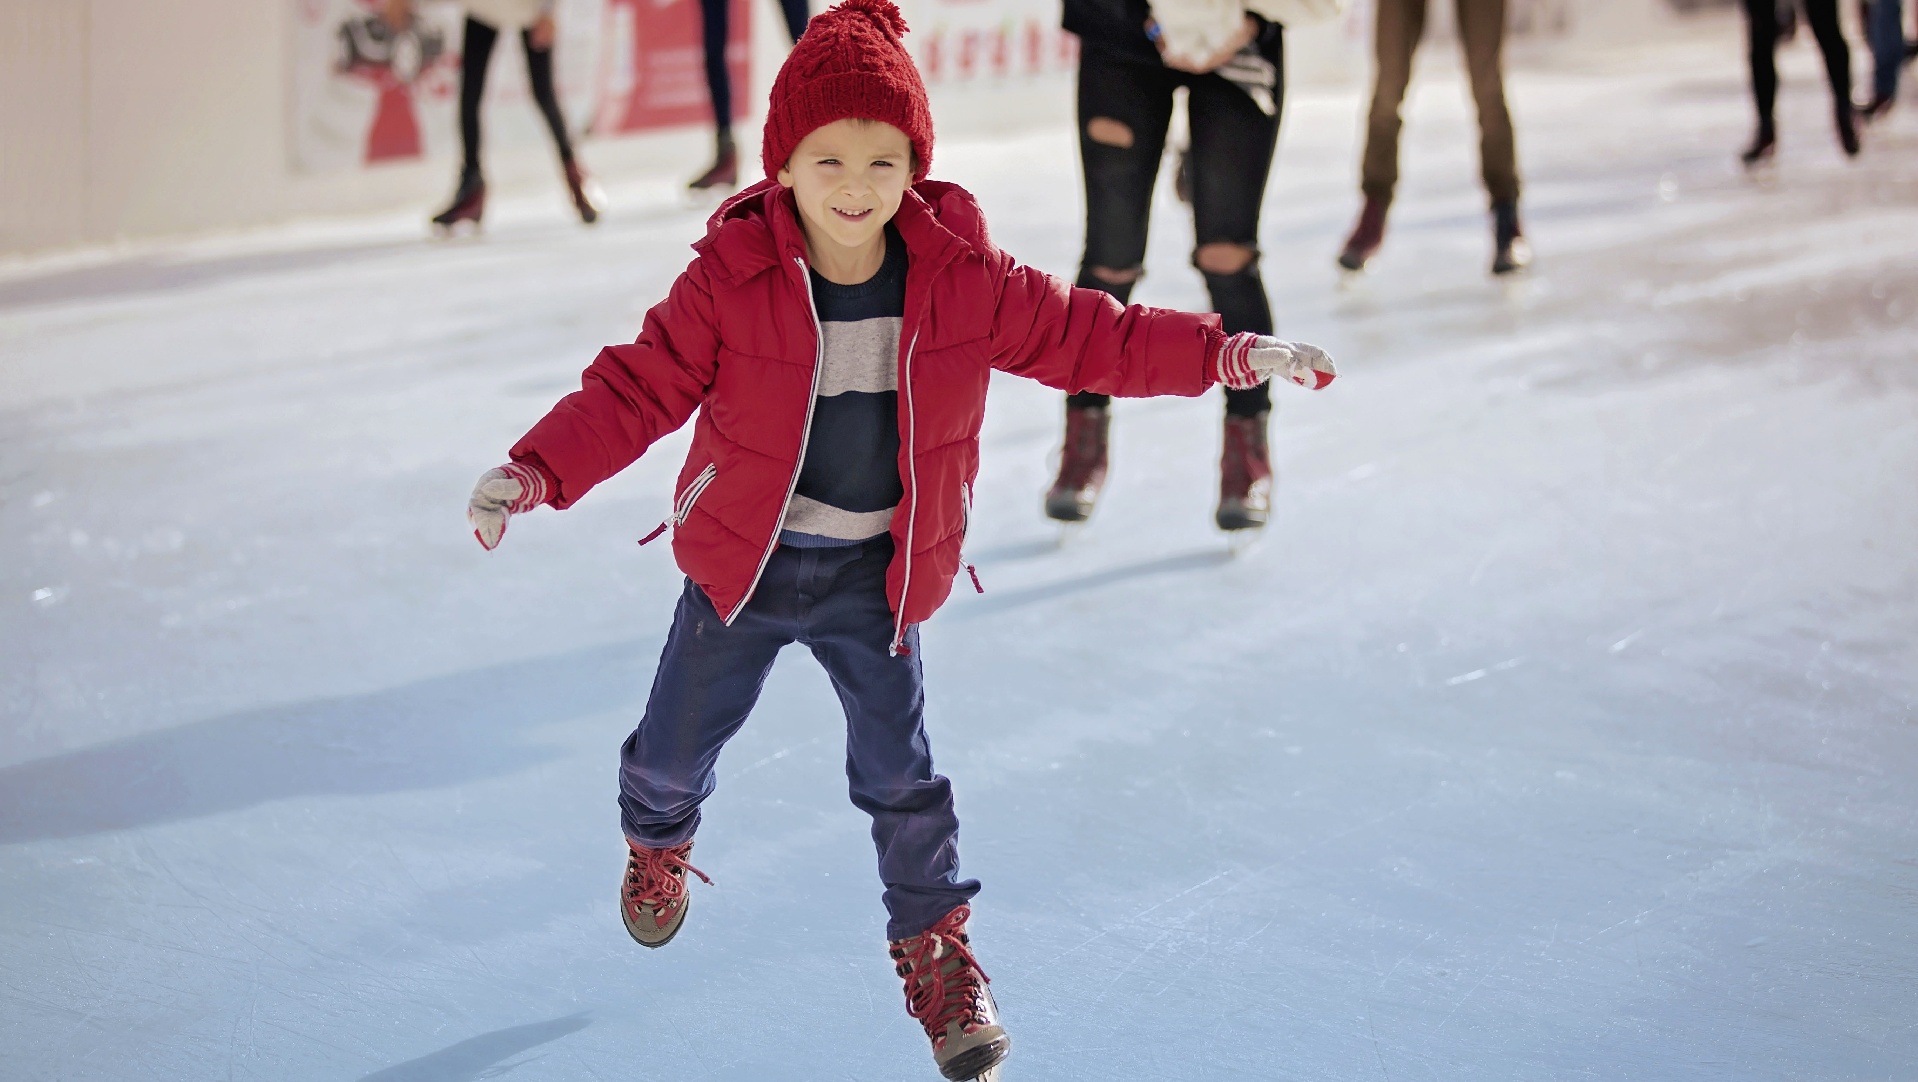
(510, 490)
(1247, 360)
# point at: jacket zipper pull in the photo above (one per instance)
(970, 570)
(657, 530)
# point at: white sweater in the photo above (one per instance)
(508, 14)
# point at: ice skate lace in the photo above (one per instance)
(656, 878)
(935, 997)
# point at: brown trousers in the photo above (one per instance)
(1481, 29)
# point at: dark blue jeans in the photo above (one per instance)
(834, 601)
(1885, 30)
(715, 24)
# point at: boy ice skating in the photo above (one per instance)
(835, 333)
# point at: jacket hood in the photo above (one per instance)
(759, 227)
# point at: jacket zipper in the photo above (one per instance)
(912, 491)
(805, 436)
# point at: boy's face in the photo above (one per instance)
(848, 179)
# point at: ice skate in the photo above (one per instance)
(1245, 475)
(1846, 122)
(1763, 148)
(1368, 234)
(1082, 464)
(587, 197)
(1510, 251)
(723, 175)
(653, 898)
(467, 206)
(946, 993)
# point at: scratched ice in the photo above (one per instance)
(1561, 727)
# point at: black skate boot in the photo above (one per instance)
(583, 191)
(1764, 146)
(468, 204)
(1245, 475)
(946, 993)
(1082, 464)
(653, 898)
(1846, 120)
(1366, 236)
(1510, 252)
(725, 168)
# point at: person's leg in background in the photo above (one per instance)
(476, 52)
(1823, 17)
(715, 27)
(1481, 25)
(1124, 109)
(1761, 32)
(1395, 37)
(796, 17)
(1233, 143)
(539, 72)
(1885, 29)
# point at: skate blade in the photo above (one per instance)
(1762, 173)
(707, 198)
(1240, 542)
(1068, 533)
(464, 229)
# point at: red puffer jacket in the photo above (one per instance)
(738, 336)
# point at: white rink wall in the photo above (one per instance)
(127, 118)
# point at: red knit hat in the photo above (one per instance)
(848, 63)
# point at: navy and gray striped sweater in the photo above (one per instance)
(849, 482)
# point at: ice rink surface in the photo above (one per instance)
(1560, 727)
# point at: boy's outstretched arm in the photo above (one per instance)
(1078, 339)
(629, 397)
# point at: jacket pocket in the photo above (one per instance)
(683, 503)
(683, 506)
(965, 531)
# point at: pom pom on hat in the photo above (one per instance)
(848, 64)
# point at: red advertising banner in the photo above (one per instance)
(366, 93)
(655, 70)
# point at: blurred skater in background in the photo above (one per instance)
(1481, 31)
(484, 21)
(715, 24)
(1885, 31)
(1231, 63)
(1763, 29)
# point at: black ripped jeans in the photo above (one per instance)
(1231, 156)
(476, 52)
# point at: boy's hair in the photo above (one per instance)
(849, 64)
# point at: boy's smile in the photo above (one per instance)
(849, 178)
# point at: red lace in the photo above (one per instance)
(651, 880)
(933, 996)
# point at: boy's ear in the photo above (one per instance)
(785, 175)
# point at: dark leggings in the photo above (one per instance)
(1231, 156)
(715, 18)
(1761, 19)
(476, 52)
